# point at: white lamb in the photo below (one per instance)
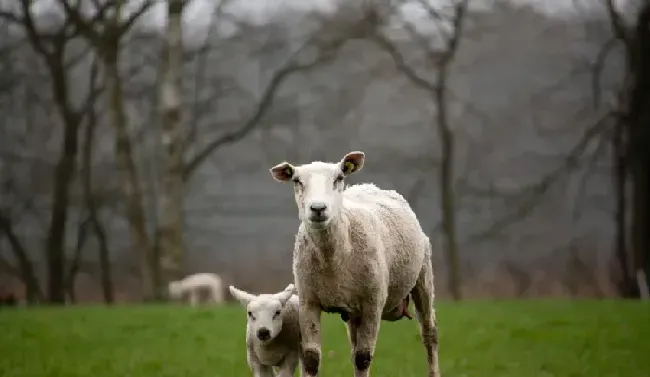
(360, 251)
(197, 285)
(272, 331)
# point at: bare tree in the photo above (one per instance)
(450, 27)
(92, 202)
(104, 31)
(630, 143)
(53, 48)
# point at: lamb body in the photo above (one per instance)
(192, 285)
(272, 331)
(359, 251)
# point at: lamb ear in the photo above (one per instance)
(243, 297)
(352, 162)
(283, 172)
(285, 295)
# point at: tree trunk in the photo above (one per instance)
(171, 223)
(638, 119)
(55, 247)
(624, 276)
(33, 293)
(447, 195)
(91, 205)
(130, 183)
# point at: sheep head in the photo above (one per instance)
(318, 186)
(175, 289)
(264, 311)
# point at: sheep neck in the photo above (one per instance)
(327, 240)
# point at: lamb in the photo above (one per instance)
(272, 331)
(208, 285)
(360, 251)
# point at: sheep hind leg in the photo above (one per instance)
(423, 297)
(215, 295)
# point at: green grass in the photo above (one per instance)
(482, 339)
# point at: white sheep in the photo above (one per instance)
(360, 251)
(272, 331)
(196, 285)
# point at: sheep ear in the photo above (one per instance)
(283, 172)
(243, 297)
(285, 295)
(352, 162)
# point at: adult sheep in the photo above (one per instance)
(205, 286)
(359, 251)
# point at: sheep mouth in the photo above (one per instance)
(319, 221)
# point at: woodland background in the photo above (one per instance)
(137, 137)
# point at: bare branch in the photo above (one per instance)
(21, 255)
(87, 29)
(533, 192)
(327, 51)
(598, 68)
(618, 26)
(401, 63)
(144, 7)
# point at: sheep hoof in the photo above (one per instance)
(362, 360)
(311, 360)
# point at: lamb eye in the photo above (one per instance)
(251, 315)
(297, 182)
(338, 179)
(277, 313)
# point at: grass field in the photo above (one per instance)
(482, 339)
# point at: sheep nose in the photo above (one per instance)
(318, 208)
(263, 334)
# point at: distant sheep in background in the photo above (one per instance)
(360, 251)
(201, 287)
(272, 331)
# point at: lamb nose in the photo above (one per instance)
(318, 207)
(263, 334)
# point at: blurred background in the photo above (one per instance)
(136, 138)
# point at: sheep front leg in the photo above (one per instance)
(194, 297)
(352, 327)
(309, 317)
(258, 369)
(288, 366)
(423, 297)
(367, 333)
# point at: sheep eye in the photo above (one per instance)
(338, 180)
(251, 315)
(277, 313)
(297, 182)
